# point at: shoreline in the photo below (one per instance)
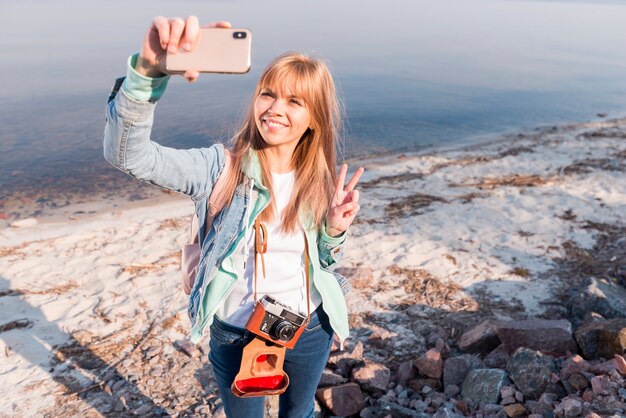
(499, 229)
(124, 192)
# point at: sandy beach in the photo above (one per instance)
(90, 297)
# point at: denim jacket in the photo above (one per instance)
(128, 147)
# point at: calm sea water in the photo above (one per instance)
(413, 74)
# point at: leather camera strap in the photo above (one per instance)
(260, 248)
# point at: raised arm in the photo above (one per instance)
(130, 113)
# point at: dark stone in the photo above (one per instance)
(602, 338)
(538, 334)
(455, 369)
(531, 372)
(483, 385)
(497, 359)
(406, 371)
(343, 400)
(482, 338)
(600, 296)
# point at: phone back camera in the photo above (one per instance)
(239, 35)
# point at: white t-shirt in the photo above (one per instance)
(285, 280)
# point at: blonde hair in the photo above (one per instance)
(314, 158)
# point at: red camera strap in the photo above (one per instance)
(260, 248)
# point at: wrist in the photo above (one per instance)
(145, 68)
(333, 232)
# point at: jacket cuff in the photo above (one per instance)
(141, 88)
(333, 241)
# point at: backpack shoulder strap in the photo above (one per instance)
(217, 200)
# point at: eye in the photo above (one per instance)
(296, 101)
(267, 93)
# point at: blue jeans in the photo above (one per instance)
(304, 365)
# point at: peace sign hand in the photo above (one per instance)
(344, 204)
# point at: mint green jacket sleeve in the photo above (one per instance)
(141, 88)
(330, 248)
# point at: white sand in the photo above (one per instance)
(120, 269)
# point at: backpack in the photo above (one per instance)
(190, 255)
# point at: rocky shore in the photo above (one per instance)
(488, 281)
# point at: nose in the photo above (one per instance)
(276, 107)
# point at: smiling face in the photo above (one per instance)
(281, 116)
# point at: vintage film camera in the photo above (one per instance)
(276, 322)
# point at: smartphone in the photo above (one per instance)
(218, 50)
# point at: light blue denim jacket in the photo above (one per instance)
(128, 147)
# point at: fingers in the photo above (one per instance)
(347, 209)
(341, 179)
(162, 26)
(354, 196)
(190, 35)
(219, 24)
(191, 76)
(355, 179)
(177, 26)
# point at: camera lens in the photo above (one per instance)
(283, 331)
(239, 35)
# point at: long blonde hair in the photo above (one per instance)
(314, 158)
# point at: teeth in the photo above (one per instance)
(274, 124)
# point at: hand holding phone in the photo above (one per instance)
(170, 34)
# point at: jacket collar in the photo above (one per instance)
(252, 169)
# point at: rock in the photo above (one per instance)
(188, 348)
(539, 408)
(574, 364)
(153, 351)
(380, 337)
(497, 359)
(447, 413)
(601, 296)
(395, 410)
(613, 338)
(143, 410)
(578, 382)
(507, 392)
(359, 277)
(482, 338)
(436, 399)
(531, 371)
(515, 410)
(455, 369)
(548, 398)
(342, 400)
(24, 223)
(620, 364)
(344, 361)
(508, 400)
(418, 385)
(538, 334)
(406, 371)
(602, 338)
(569, 408)
(371, 376)
(483, 385)
(605, 367)
(601, 385)
(330, 379)
(430, 364)
(452, 390)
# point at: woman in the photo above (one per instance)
(279, 171)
